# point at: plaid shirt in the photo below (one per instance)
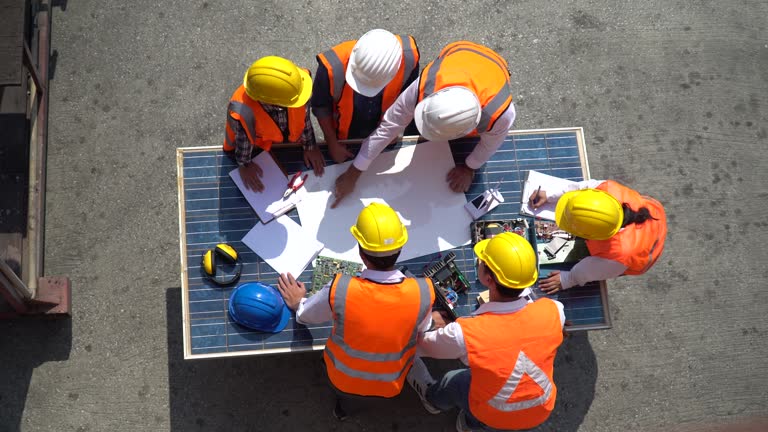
(243, 147)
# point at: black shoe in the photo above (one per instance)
(339, 412)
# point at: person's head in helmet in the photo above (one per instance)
(380, 235)
(506, 265)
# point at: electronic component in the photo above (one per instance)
(554, 246)
(446, 274)
(326, 268)
(484, 203)
(486, 229)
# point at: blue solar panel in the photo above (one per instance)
(213, 211)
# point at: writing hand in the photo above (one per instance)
(538, 199)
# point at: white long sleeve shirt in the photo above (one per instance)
(448, 342)
(590, 268)
(400, 114)
(317, 308)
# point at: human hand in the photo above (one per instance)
(291, 290)
(251, 174)
(538, 199)
(345, 184)
(439, 319)
(339, 152)
(460, 177)
(313, 158)
(551, 284)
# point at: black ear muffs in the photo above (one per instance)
(219, 276)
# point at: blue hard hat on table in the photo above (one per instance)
(258, 307)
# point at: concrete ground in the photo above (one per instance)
(673, 99)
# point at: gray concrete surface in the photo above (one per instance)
(672, 96)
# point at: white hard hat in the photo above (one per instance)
(374, 62)
(450, 113)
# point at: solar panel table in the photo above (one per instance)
(212, 210)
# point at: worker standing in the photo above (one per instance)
(377, 317)
(270, 107)
(355, 83)
(509, 345)
(624, 230)
(464, 92)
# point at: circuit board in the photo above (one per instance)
(486, 229)
(326, 268)
(446, 275)
(545, 230)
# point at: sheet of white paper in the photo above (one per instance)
(269, 202)
(547, 182)
(410, 180)
(285, 245)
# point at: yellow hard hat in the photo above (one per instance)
(379, 230)
(590, 213)
(277, 81)
(511, 258)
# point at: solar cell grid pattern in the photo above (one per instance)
(215, 211)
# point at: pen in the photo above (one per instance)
(536, 196)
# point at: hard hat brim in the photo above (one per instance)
(357, 86)
(284, 317)
(418, 118)
(306, 90)
(480, 248)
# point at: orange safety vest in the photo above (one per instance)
(262, 131)
(637, 246)
(375, 328)
(511, 359)
(336, 60)
(477, 68)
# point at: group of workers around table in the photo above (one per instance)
(383, 321)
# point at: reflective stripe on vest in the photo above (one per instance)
(338, 71)
(500, 395)
(526, 366)
(229, 142)
(498, 100)
(409, 58)
(247, 118)
(368, 375)
(339, 302)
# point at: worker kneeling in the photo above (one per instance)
(377, 317)
(508, 343)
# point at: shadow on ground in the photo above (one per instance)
(289, 392)
(24, 345)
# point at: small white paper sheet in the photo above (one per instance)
(269, 203)
(412, 181)
(547, 182)
(284, 245)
